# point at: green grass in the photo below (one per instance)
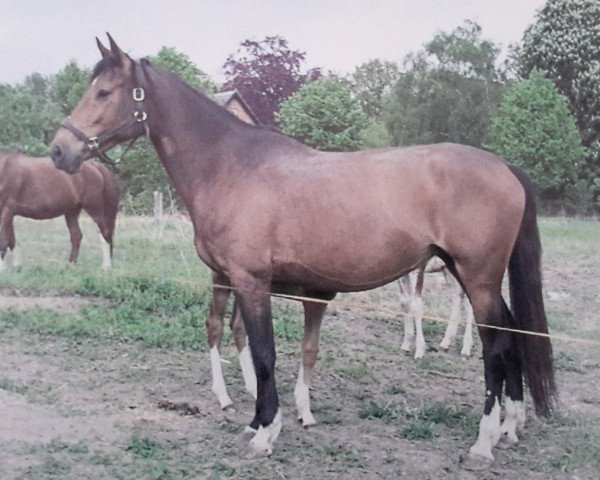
(145, 448)
(157, 294)
(387, 412)
(424, 423)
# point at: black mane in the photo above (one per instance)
(104, 64)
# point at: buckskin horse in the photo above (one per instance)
(33, 188)
(271, 214)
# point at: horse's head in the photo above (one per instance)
(110, 112)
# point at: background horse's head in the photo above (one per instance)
(110, 112)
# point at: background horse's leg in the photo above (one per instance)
(255, 303)
(106, 249)
(416, 308)
(241, 342)
(467, 344)
(214, 328)
(313, 317)
(72, 219)
(7, 235)
(105, 220)
(452, 328)
(404, 284)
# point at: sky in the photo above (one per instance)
(44, 35)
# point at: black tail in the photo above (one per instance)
(525, 278)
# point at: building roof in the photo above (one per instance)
(223, 99)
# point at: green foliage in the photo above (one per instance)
(564, 43)
(370, 82)
(168, 58)
(323, 114)
(375, 135)
(68, 86)
(28, 118)
(535, 131)
(449, 91)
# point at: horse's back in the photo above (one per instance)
(36, 189)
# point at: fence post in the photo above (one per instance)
(158, 213)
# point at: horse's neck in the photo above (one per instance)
(187, 131)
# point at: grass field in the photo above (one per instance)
(88, 355)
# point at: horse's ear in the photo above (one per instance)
(114, 48)
(121, 56)
(105, 52)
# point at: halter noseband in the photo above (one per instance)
(94, 144)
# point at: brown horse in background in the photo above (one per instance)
(272, 215)
(33, 188)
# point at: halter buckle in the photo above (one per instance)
(140, 116)
(139, 94)
(93, 143)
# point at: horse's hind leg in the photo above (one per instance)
(313, 317)
(214, 328)
(501, 363)
(241, 342)
(514, 417)
(75, 233)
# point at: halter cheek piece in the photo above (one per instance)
(95, 144)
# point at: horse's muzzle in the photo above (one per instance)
(63, 160)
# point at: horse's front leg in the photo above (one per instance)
(252, 294)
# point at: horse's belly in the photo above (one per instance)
(352, 269)
(45, 209)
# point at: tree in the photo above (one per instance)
(170, 59)
(266, 73)
(535, 131)
(564, 43)
(68, 86)
(372, 80)
(448, 92)
(323, 114)
(28, 118)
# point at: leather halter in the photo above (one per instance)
(95, 144)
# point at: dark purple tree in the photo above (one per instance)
(266, 73)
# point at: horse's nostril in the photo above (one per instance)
(56, 152)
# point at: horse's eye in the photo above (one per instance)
(103, 94)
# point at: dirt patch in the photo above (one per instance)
(59, 303)
(77, 408)
(100, 411)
